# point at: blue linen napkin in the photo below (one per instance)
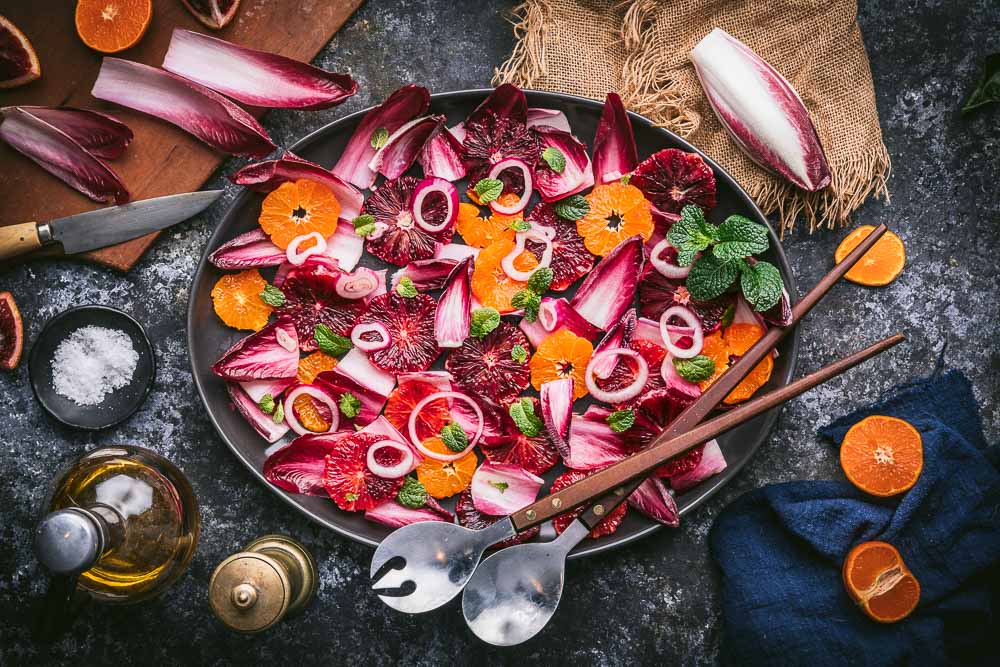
(780, 550)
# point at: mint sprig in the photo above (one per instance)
(710, 277)
(488, 189)
(266, 404)
(273, 296)
(691, 234)
(695, 369)
(380, 137)
(329, 342)
(483, 321)
(520, 225)
(412, 494)
(519, 354)
(364, 224)
(761, 284)
(555, 159)
(529, 302)
(454, 437)
(350, 405)
(740, 237)
(621, 420)
(405, 288)
(572, 208)
(540, 280)
(523, 414)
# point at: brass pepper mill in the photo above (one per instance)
(272, 578)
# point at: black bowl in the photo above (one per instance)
(208, 338)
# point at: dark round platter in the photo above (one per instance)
(208, 338)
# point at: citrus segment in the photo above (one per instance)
(443, 479)
(878, 580)
(617, 212)
(882, 455)
(237, 302)
(727, 345)
(880, 265)
(562, 355)
(313, 364)
(110, 26)
(309, 415)
(480, 232)
(490, 284)
(297, 208)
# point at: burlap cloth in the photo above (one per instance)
(639, 48)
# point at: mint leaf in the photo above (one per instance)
(519, 354)
(761, 284)
(484, 320)
(740, 237)
(380, 137)
(523, 414)
(626, 179)
(691, 234)
(488, 189)
(454, 437)
(540, 280)
(330, 342)
(412, 494)
(406, 288)
(273, 296)
(500, 486)
(520, 225)
(695, 369)
(987, 89)
(529, 302)
(710, 277)
(572, 208)
(349, 404)
(266, 404)
(279, 413)
(362, 220)
(555, 159)
(728, 315)
(621, 421)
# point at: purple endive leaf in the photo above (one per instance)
(441, 155)
(556, 401)
(188, 105)
(554, 315)
(426, 274)
(299, 467)
(261, 422)
(100, 134)
(454, 251)
(500, 489)
(251, 249)
(391, 513)
(254, 77)
(262, 355)
(592, 443)
(619, 336)
(345, 245)
(57, 153)
(654, 500)
(576, 175)
(760, 109)
(551, 117)
(257, 389)
(452, 318)
(615, 153)
(403, 105)
(267, 175)
(404, 145)
(780, 314)
(498, 427)
(506, 101)
(607, 291)
(712, 463)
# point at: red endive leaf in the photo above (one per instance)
(506, 101)
(254, 77)
(614, 144)
(188, 105)
(57, 153)
(100, 134)
(403, 146)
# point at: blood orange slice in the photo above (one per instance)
(18, 61)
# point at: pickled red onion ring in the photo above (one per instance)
(396, 471)
(628, 392)
(663, 266)
(298, 258)
(522, 203)
(319, 395)
(430, 186)
(285, 340)
(507, 263)
(371, 345)
(412, 425)
(690, 319)
(357, 286)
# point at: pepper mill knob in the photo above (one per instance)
(252, 590)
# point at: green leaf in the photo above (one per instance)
(379, 138)
(488, 189)
(523, 414)
(529, 302)
(279, 413)
(987, 90)
(621, 421)
(412, 494)
(273, 296)
(519, 354)
(266, 404)
(695, 369)
(484, 320)
(540, 280)
(406, 288)
(740, 237)
(520, 225)
(572, 208)
(364, 230)
(761, 284)
(626, 179)
(454, 437)
(330, 342)
(500, 486)
(555, 159)
(710, 277)
(728, 315)
(691, 234)
(349, 404)
(363, 224)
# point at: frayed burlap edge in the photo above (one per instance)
(647, 89)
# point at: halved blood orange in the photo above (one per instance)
(617, 211)
(18, 61)
(237, 302)
(313, 364)
(562, 355)
(877, 267)
(297, 208)
(882, 455)
(443, 479)
(727, 345)
(110, 26)
(878, 580)
(480, 232)
(490, 283)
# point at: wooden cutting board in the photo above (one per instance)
(162, 159)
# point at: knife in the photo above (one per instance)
(106, 226)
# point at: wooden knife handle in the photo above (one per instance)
(18, 239)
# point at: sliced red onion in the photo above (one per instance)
(441, 155)
(500, 489)
(577, 174)
(268, 175)
(404, 466)
(99, 134)
(592, 443)
(689, 318)
(550, 117)
(453, 316)
(412, 424)
(188, 105)
(556, 401)
(58, 153)
(665, 267)
(298, 257)
(314, 392)
(712, 462)
(538, 235)
(654, 500)
(359, 330)
(260, 356)
(404, 145)
(622, 395)
(299, 467)
(522, 202)
(429, 186)
(254, 77)
(357, 285)
(285, 340)
(345, 246)
(607, 291)
(252, 249)
(619, 336)
(391, 513)
(614, 144)
(261, 422)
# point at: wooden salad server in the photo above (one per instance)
(422, 566)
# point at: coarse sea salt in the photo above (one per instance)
(91, 363)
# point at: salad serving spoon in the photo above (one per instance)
(422, 566)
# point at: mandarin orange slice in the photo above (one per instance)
(297, 208)
(309, 415)
(617, 212)
(882, 455)
(562, 355)
(313, 364)
(877, 267)
(724, 347)
(237, 302)
(490, 284)
(110, 26)
(878, 580)
(480, 232)
(443, 479)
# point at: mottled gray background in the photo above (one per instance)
(656, 600)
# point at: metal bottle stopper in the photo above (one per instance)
(273, 577)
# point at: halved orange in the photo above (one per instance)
(237, 302)
(880, 265)
(443, 479)
(480, 232)
(617, 211)
(882, 455)
(562, 355)
(878, 580)
(727, 345)
(313, 364)
(490, 283)
(297, 208)
(110, 26)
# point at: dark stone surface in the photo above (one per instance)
(656, 600)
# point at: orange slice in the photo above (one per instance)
(878, 580)
(877, 267)
(480, 232)
(561, 355)
(237, 302)
(724, 347)
(490, 284)
(110, 26)
(443, 479)
(882, 455)
(312, 365)
(297, 208)
(617, 212)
